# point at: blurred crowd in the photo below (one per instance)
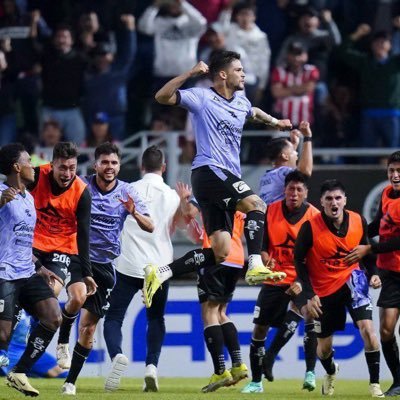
(87, 70)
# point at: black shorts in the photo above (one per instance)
(65, 266)
(217, 283)
(218, 191)
(22, 293)
(334, 312)
(104, 276)
(272, 305)
(390, 291)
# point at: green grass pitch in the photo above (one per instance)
(189, 389)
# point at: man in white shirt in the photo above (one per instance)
(139, 248)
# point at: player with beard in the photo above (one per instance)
(112, 201)
(20, 286)
(333, 281)
(61, 238)
(218, 115)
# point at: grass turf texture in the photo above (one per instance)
(189, 389)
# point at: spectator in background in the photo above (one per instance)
(99, 130)
(107, 79)
(90, 33)
(8, 75)
(317, 41)
(293, 85)
(177, 27)
(51, 134)
(23, 30)
(244, 33)
(62, 78)
(379, 77)
(211, 9)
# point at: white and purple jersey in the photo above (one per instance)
(107, 218)
(217, 125)
(272, 184)
(17, 223)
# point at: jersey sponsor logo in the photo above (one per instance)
(106, 221)
(335, 261)
(52, 220)
(198, 258)
(23, 227)
(230, 132)
(241, 186)
(288, 243)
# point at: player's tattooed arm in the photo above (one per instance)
(259, 115)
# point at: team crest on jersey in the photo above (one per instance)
(28, 212)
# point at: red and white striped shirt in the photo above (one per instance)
(295, 108)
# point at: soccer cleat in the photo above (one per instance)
(253, 387)
(118, 367)
(151, 283)
(68, 389)
(238, 373)
(217, 381)
(20, 382)
(63, 356)
(328, 384)
(375, 390)
(4, 360)
(150, 379)
(309, 382)
(267, 365)
(260, 274)
(394, 390)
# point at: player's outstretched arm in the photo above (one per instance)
(305, 164)
(261, 116)
(167, 94)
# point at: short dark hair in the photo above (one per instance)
(243, 5)
(65, 150)
(152, 159)
(9, 155)
(394, 158)
(107, 148)
(296, 176)
(219, 60)
(332, 184)
(275, 147)
(385, 35)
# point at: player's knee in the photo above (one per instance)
(221, 254)
(4, 337)
(369, 336)
(260, 332)
(52, 321)
(87, 331)
(386, 333)
(76, 302)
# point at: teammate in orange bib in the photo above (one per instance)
(386, 224)
(61, 237)
(333, 281)
(283, 221)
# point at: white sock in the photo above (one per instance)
(164, 273)
(255, 260)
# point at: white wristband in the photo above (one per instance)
(273, 121)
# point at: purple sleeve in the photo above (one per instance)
(191, 99)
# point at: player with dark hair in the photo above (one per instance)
(282, 224)
(333, 281)
(20, 286)
(61, 238)
(386, 224)
(283, 154)
(218, 115)
(112, 201)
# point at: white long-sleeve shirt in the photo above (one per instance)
(138, 247)
(258, 53)
(175, 38)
